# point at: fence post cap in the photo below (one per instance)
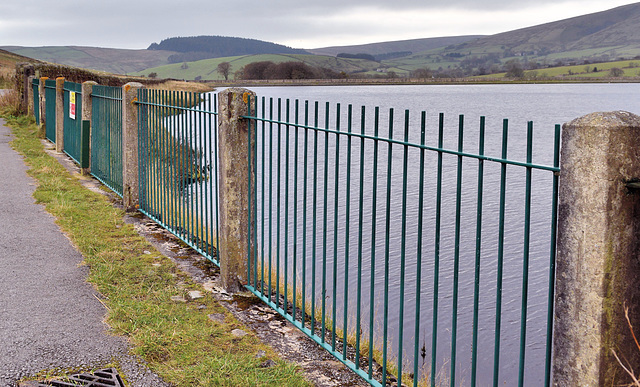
(133, 85)
(606, 119)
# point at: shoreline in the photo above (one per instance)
(404, 81)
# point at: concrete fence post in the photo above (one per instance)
(87, 107)
(235, 170)
(30, 96)
(60, 114)
(598, 261)
(27, 71)
(130, 187)
(42, 102)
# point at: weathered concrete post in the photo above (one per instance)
(26, 72)
(235, 169)
(42, 102)
(30, 96)
(87, 107)
(598, 261)
(130, 188)
(59, 114)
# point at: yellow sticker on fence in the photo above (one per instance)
(72, 105)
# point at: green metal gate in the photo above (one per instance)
(106, 136)
(72, 109)
(178, 165)
(36, 99)
(50, 109)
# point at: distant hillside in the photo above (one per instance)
(112, 60)
(606, 35)
(618, 27)
(206, 69)
(205, 47)
(412, 46)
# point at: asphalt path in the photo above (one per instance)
(50, 317)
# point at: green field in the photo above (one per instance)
(206, 69)
(631, 68)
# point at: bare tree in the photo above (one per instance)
(616, 72)
(223, 69)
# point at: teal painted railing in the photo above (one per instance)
(50, 109)
(408, 260)
(358, 227)
(35, 85)
(178, 165)
(72, 123)
(106, 136)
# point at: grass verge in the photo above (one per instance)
(180, 343)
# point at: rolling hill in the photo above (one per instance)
(412, 45)
(206, 69)
(112, 60)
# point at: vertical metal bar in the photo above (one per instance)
(476, 283)
(503, 187)
(334, 313)
(263, 177)
(403, 244)
(250, 198)
(212, 168)
(552, 257)
(416, 332)
(373, 239)
(385, 319)
(278, 196)
(215, 149)
(295, 212)
(286, 209)
(436, 263)
(324, 223)
(254, 170)
(346, 236)
(456, 260)
(525, 260)
(360, 231)
(304, 213)
(315, 222)
(270, 196)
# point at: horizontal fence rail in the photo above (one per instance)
(72, 124)
(385, 250)
(178, 165)
(106, 136)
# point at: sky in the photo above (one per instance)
(135, 24)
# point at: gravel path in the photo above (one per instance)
(50, 317)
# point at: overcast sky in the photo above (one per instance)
(295, 23)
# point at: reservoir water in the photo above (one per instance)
(337, 240)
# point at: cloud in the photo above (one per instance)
(301, 23)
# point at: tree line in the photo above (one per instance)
(286, 70)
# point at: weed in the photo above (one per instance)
(628, 368)
(10, 103)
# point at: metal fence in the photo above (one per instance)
(106, 136)
(50, 109)
(178, 165)
(72, 123)
(35, 85)
(373, 243)
(408, 260)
